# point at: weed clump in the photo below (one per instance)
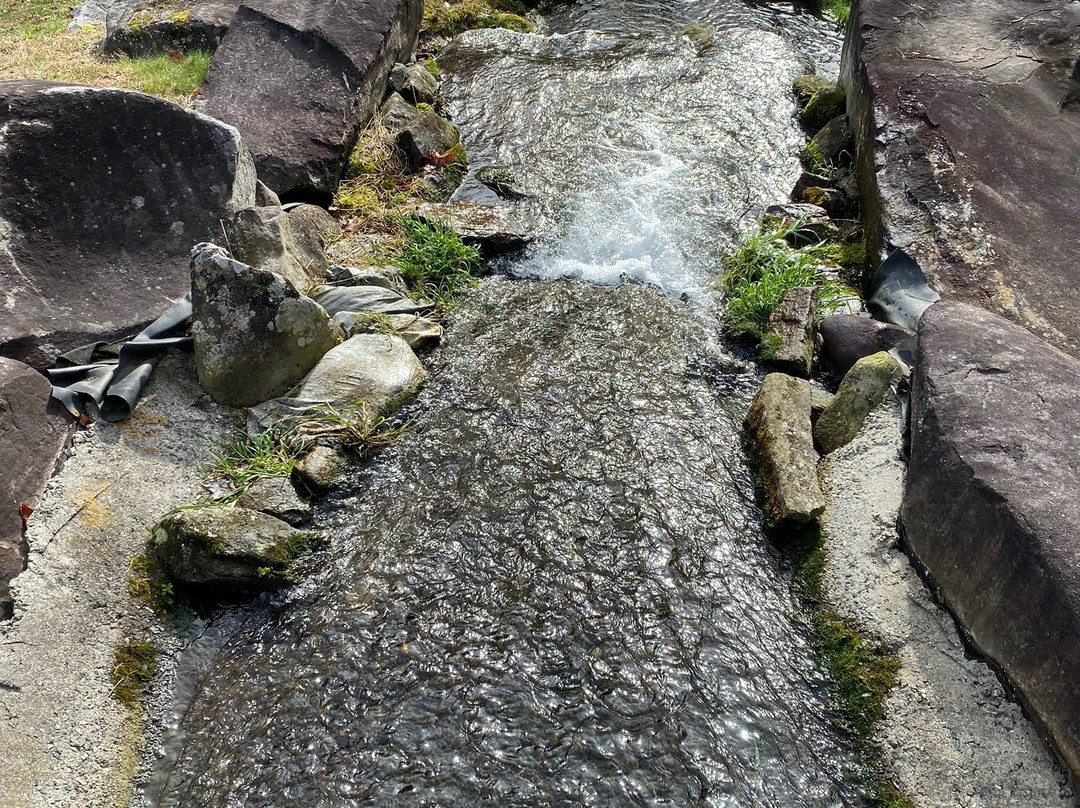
(434, 261)
(148, 582)
(765, 266)
(272, 453)
(134, 666)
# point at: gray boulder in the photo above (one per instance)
(847, 338)
(863, 388)
(396, 113)
(991, 506)
(374, 369)
(33, 431)
(779, 429)
(291, 243)
(299, 79)
(228, 548)
(154, 27)
(277, 497)
(490, 228)
(789, 336)
(255, 334)
(414, 82)
(95, 233)
(425, 137)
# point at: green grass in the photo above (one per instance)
(34, 18)
(273, 453)
(434, 261)
(134, 666)
(839, 9)
(764, 266)
(167, 76)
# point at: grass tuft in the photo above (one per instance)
(434, 261)
(357, 427)
(764, 267)
(273, 453)
(134, 666)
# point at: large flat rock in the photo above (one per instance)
(967, 126)
(299, 79)
(32, 433)
(992, 508)
(102, 195)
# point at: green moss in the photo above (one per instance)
(288, 550)
(805, 86)
(134, 666)
(149, 582)
(824, 105)
(432, 67)
(139, 21)
(447, 18)
(181, 18)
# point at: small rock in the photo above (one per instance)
(264, 197)
(501, 180)
(819, 400)
(808, 180)
(384, 276)
(863, 388)
(421, 334)
(847, 339)
(814, 222)
(824, 105)
(490, 228)
(424, 137)
(779, 425)
(396, 113)
(789, 336)
(320, 468)
(415, 83)
(255, 334)
(806, 86)
(227, 548)
(833, 141)
(290, 243)
(373, 369)
(337, 299)
(277, 497)
(832, 200)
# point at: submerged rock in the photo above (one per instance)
(277, 497)
(255, 334)
(789, 336)
(102, 194)
(779, 426)
(228, 548)
(414, 82)
(492, 229)
(863, 388)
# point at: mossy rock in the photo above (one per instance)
(824, 105)
(804, 87)
(863, 388)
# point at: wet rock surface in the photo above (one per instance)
(225, 548)
(990, 507)
(299, 79)
(847, 338)
(95, 235)
(277, 497)
(255, 334)
(967, 125)
(779, 423)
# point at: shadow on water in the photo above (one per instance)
(555, 589)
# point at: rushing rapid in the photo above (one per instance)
(555, 590)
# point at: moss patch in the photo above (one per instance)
(150, 583)
(824, 105)
(447, 18)
(134, 666)
(288, 550)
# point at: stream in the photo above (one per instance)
(555, 589)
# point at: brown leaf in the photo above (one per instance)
(25, 511)
(175, 56)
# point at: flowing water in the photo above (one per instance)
(555, 589)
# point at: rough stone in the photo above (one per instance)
(414, 82)
(153, 27)
(255, 334)
(274, 240)
(320, 468)
(991, 506)
(226, 548)
(299, 79)
(863, 388)
(421, 334)
(789, 335)
(847, 339)
(808, 180)
(388, 277)
(501, 180)
(824, 105)
(492, 229)
(424, 137)
(833, 141)
(967, 124)
(832, 200)
(337, 299)
(95, 233)
(396, 113)
(806, 86)
(277, 497)
(814, 222)
(373, 369)
(779, 426)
